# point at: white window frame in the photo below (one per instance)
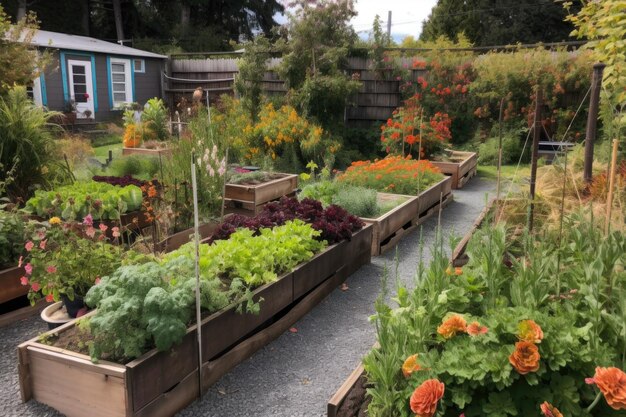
(35, 91)
(128, 86)
(142, 65)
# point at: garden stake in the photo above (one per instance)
(592, 120)
(609, 200)
(196, 239)
(499, 150)
(534, 154)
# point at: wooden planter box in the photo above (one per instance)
(162, 383)
(10, 286)
(461, 171)
(146, 152)
(249, 199)
(391, 226)
(344, 392)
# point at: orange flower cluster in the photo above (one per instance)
(393, 174)
(475, 329)
(451, 326)
(410, 365)
(425, 398)
(612, 384)
(529, 331)
(549, 410)
(525, 357)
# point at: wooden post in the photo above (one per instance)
(592, 120)
(609, 200)
(389, 27)
(534, 156)
(499, 149)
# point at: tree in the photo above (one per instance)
(315, 45)
(19, 61)
(252, 68)
(506, 22)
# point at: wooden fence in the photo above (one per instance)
(375, 101)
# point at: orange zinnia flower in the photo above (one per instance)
(529, 331)
(525, 357)
(410, 365)
(452, 325)
(549, 410)
(458, 271)
(426, 397)
(475, 329)
(612, 383)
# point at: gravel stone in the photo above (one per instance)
(295, 375)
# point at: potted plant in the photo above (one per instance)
(64, 260)
(69, 112)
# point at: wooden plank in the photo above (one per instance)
(176, 240)
(264, 192)
(340, 395)
(146, 152)
(23, 369)
(431, 196)
(76, 360)
(10, 285)
(309, 275)
(457, 258)
(73, 390)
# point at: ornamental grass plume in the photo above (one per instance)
(410, 365)
(549, 410)
(452, 325)
(612, 383)
(425, 398)
(529, 331)
(525, 357)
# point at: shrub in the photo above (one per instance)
(360, 201)
(155, 119)
(11, 238)
(512, 146)
(141, 166)
(76, 148)
(27, 150)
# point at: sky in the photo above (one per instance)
(406, 16)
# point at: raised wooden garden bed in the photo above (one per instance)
(146, 152)
(162, 383)
(13, 297)
(459, 257)
(462, 167)
(391, 226)
(248, 199)
(10, 286)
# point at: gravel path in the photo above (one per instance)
(296, 374)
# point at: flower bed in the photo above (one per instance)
(461, 166)
(248, 199)
(161, 383)
(504, 338)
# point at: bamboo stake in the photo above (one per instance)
(499, 150)
(196, 239)
(534, 156)
(609, 202)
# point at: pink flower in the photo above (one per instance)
(20, 261)
(103, 227)
(42, 244)
(49, 298)
(97, 280)
(29, 246)
(88, 220)
(91, 232)
(35, 286)
(24, 281)
(51, 269)
(116, 231)
(41, 234)
(28, 268)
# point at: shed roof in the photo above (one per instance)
(46, 39)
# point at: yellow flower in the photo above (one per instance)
(54, 220)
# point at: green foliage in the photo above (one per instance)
(151, 304)
(572, 291)
(67, 259)
(28, 155)
(11, 237)
(315, 47)
(512, 146)
(20, 61)
(145, 167)
(360, 201)
(74, 202)
(508, 23)
(154, 117)
(252, 68)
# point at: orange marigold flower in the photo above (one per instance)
(458, 271)
(529, 331)
(452, 325)
(525, 357)
(475, 329)
(425, 398)
(612, 383)
(410, 365)
(549, 410)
